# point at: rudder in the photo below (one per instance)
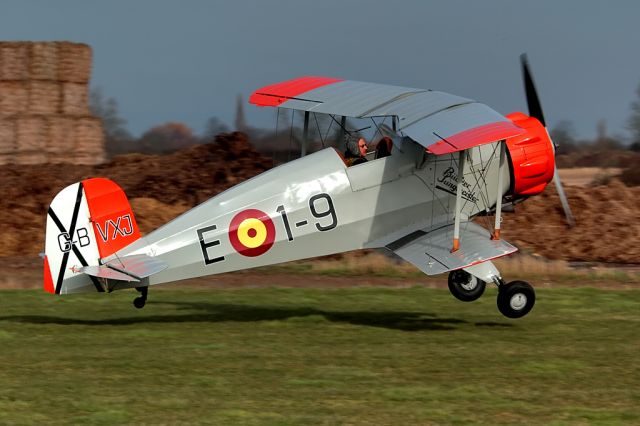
(87, 221)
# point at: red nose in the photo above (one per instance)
(532, 157)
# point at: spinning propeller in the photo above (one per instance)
(535, 110)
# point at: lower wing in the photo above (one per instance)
(431, 251)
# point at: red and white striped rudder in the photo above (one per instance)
(87, 221)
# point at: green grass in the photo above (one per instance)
(311, 356)
(519, 266)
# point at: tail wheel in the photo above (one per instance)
(516, 299)
(141, 300)
(465, 286)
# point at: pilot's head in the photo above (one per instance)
(362, 147)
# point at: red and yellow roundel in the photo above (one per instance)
(251, 232)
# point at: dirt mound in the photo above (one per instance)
(159, 187)
(162, 187)
(190, 176)
(607, 224)
(598, 158)
(151, 213)
(631, 176)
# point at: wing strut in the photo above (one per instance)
(305, 135)
(456, 227)
(496, 229)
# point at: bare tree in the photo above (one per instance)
(166, 138)
(604, 142)
(563, 135)
(240, 120)
(118, 140)
(634, 120)
(214, 127)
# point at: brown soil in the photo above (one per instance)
(162, 187)
(593, 157)
(607, 224)
(159, 187)
(588, 176)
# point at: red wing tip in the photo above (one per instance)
(475, 136)
(278, 93)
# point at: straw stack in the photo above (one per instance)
(44, 105)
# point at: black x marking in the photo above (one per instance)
(76, 251)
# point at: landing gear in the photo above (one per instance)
(141, 300)
(516, 299)
(465, 286)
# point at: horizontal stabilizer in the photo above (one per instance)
(431, 251)
(105, 272)
(128, 268)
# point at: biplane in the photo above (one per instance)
(454, 163)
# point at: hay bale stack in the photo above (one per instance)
(8, 138)
(44, 97)
(31, 136)
(44, 61)
(14, 97)
(61, 137)
(74, 64)
(75, 99)
(14, 61)
(44, 105)
(88, 136)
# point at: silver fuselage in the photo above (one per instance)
(318, 206)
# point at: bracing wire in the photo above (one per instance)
(377, 127)
(315, 117)
(328, 130)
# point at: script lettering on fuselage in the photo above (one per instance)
(448, 182)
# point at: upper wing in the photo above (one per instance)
(441, 122)
(431, 251)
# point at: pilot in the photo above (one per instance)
(356, 151)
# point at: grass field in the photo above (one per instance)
(286, 356)
(525, 267)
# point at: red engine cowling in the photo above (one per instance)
(532, 156)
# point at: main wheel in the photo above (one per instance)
(139, 302)
(465, 286)
(516, 299)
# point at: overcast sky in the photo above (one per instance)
(188, 60)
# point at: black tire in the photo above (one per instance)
(516, 299)
(139, 302)
(465, 286)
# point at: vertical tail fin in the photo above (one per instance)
(86, 221)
